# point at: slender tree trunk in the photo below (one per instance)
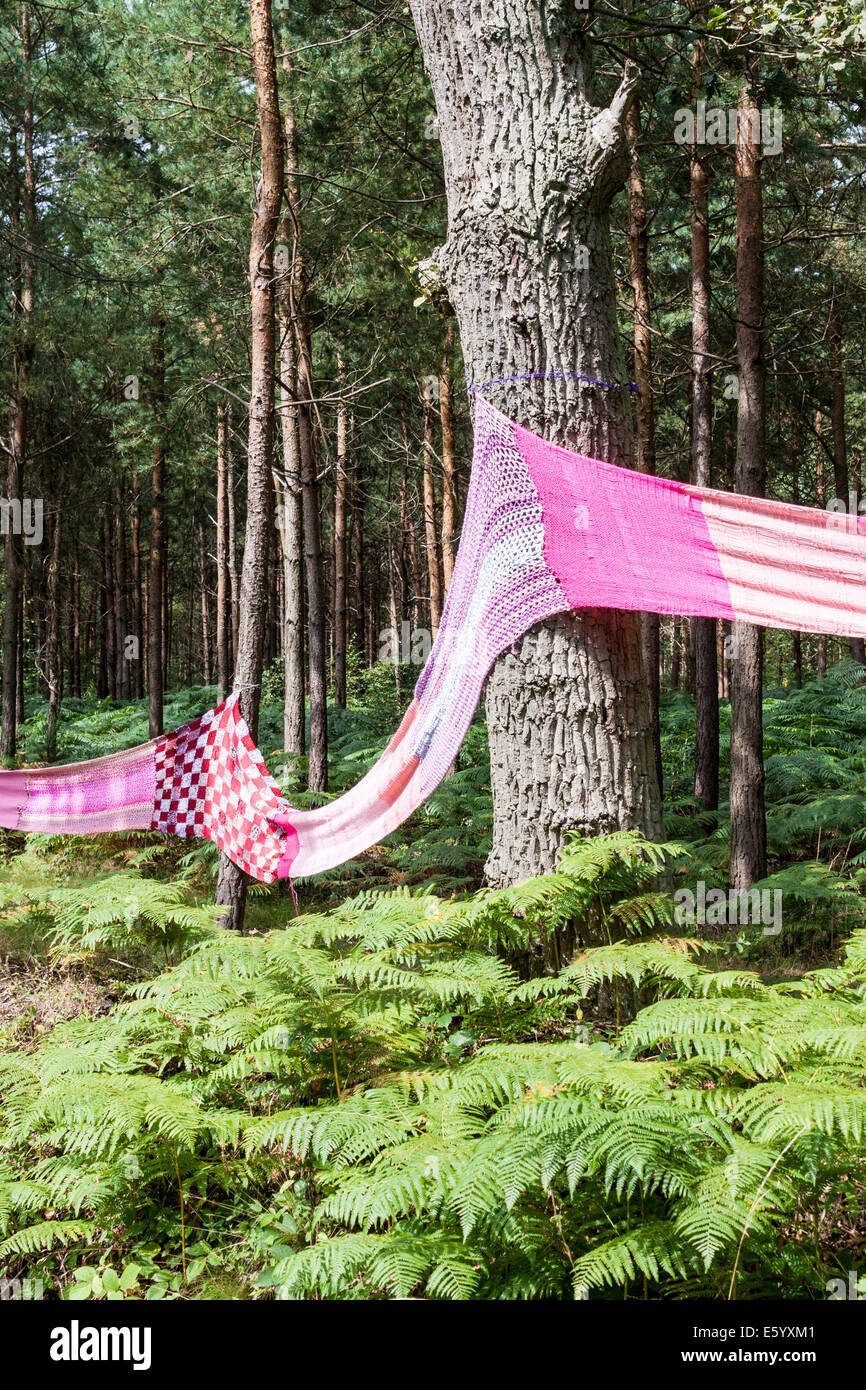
(704, 630)
(407, 522)
(155, 573)
(205, 616)
(796, 447)
(530, 168)
(75, 623)
(223, 606)
(137, 615)
(821, 500)
(317, 761)
(232, 884)
(109, 630)
(341, 497)
(121, 615)
(234, 582)
(291, 529)
(840, 445)
(23, 304)
(434, 582)
(53, 652)
(748, 825)
(449, 459)
(358, 552)
(646, 425)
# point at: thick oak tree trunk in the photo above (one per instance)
(531, 165)
(232, 885)
(748, 824)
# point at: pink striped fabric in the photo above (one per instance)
(545, 531)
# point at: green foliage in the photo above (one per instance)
(373, 1103)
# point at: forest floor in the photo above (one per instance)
(136, 1044)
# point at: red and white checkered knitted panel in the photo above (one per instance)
(211, 782)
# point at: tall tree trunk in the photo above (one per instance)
(74, 654)
(358, 552)
(407, 522)
(821, 500)
(449, 459)
(156, 572)
(646, 425)
(121, 617)
(109, 629)
(840, 445)
(317, 761)
(137, 615)
(205, 617)
(341, 497)
(704, 630)
(234, 582)
(23, 230)
(291, 529)
(796, 447)
(748, 824)
(53, 652)
(232, 884)
(223, 604)
(428, 464)
(530, 168)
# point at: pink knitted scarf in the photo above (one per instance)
(545, 531)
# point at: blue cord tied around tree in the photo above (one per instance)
(551, 376)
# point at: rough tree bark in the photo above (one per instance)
(748, 823)
(232, 885)
(531, 165)
(704, 632)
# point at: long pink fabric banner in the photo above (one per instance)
(545, 531)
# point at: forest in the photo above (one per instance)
(581, 1016)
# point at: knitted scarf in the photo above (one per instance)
(545, 531)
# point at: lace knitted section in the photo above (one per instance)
(501, 587)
